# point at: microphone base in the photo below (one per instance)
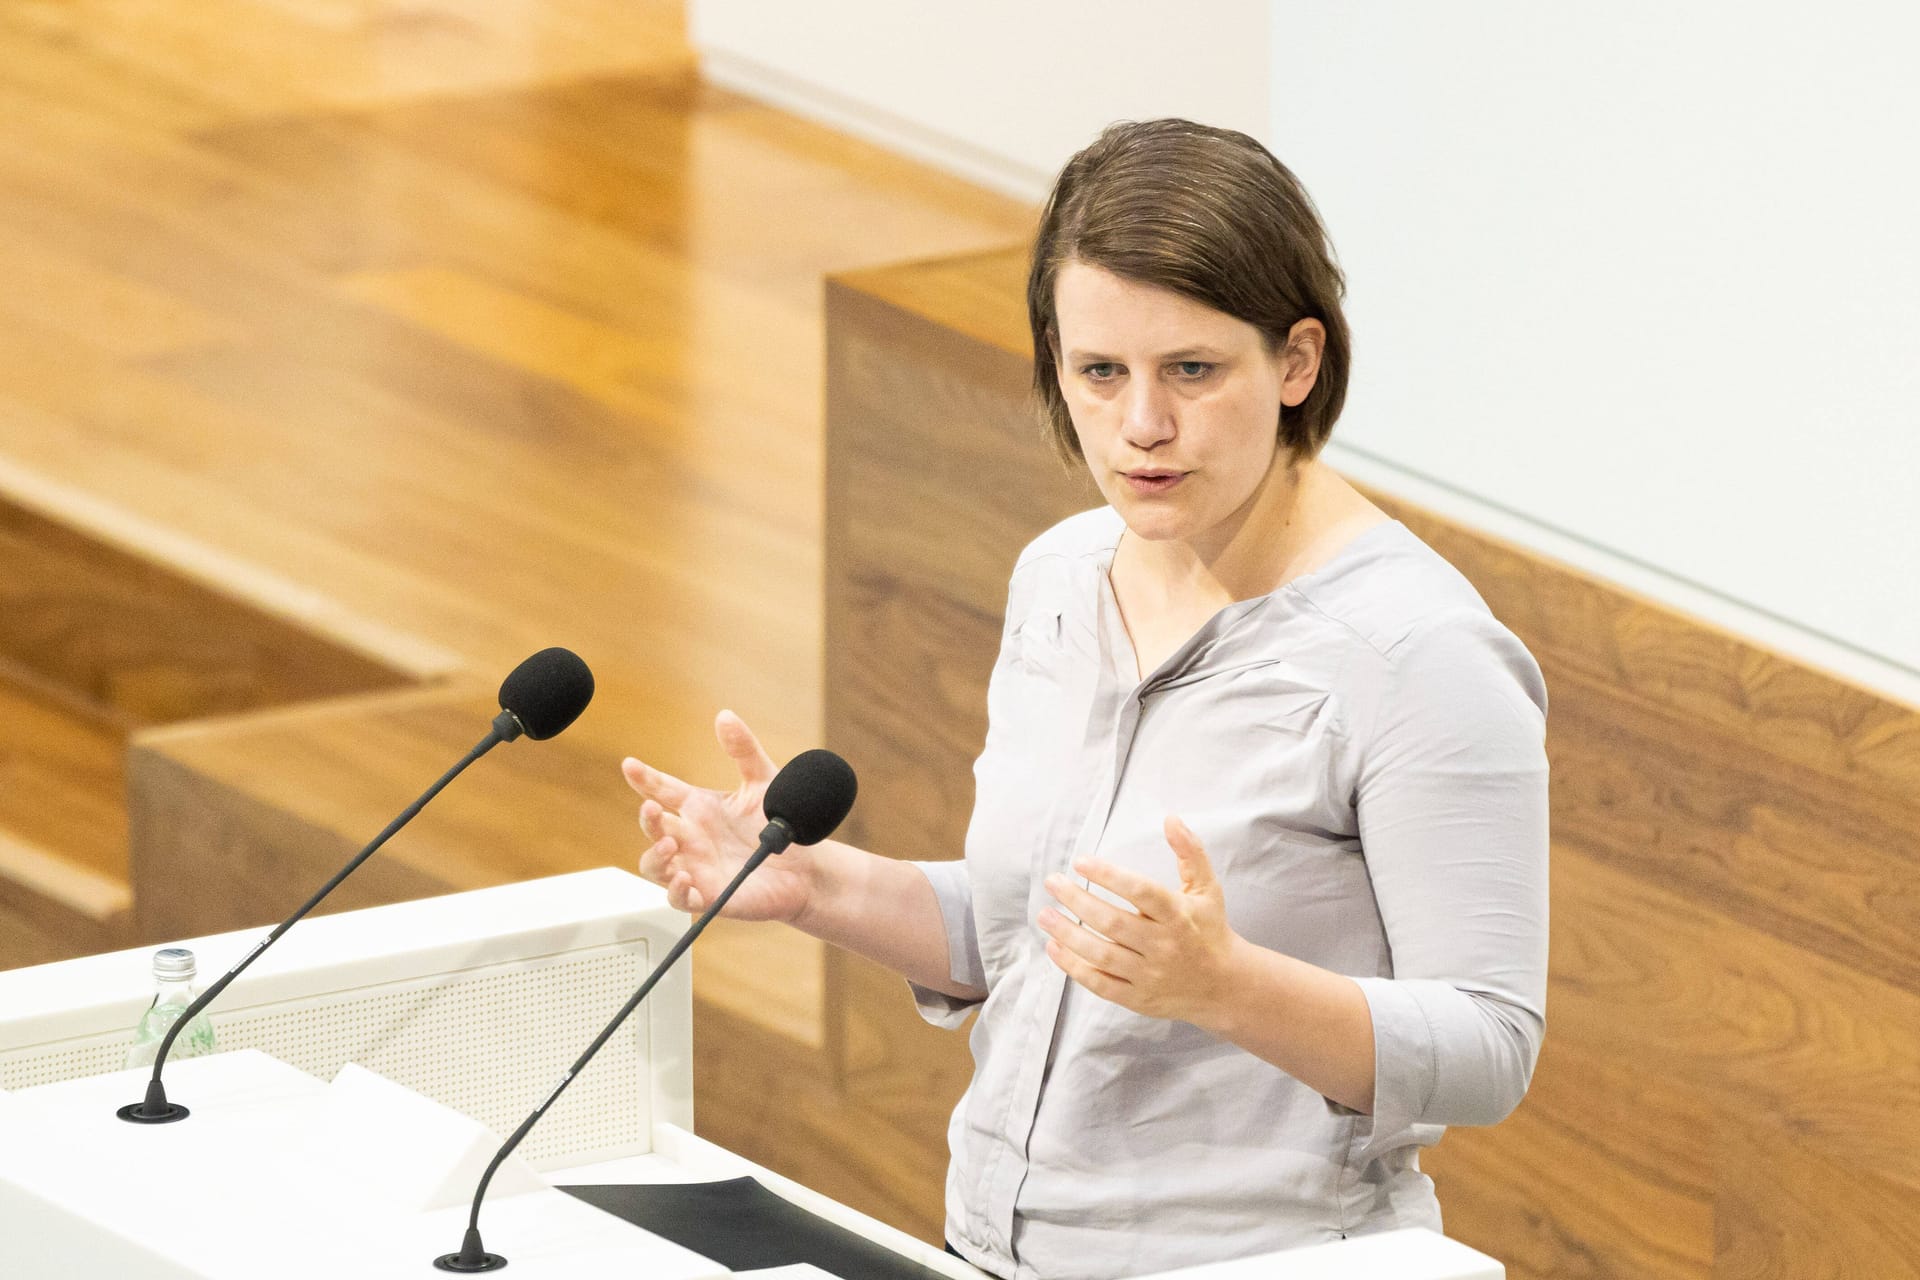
(452, 1262)
(472, 1256)
(137, 1113)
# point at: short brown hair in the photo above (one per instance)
(1207, 213)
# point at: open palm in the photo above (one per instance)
(702, 837)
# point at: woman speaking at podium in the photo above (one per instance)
(1254, 900)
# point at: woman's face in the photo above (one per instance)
(1177, 406)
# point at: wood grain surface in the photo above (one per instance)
(1730, 1084)
(438, 331)
(441, 332)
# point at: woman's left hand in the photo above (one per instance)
(1172, 960)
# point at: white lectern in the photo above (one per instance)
(370, 1061)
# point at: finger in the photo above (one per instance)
(1152, 901)
(748, 756)
(681, 895)
(1196, 869)
(1102, 954)
(656, 862)
(650, 815)
(649, 781)
(1103, 984)
(677, 829)
(1101, 916)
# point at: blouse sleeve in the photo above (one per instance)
(953, 890)
(1452, 808)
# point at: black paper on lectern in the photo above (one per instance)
(743, 1226)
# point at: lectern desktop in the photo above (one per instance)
(369, 1063)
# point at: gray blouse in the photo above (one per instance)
(1361, 753)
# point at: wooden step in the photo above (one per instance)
(98, 642)
(52, 909)
(61, 780)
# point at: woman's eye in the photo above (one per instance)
(1099, 372)
(1193, 368)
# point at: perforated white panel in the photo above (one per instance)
(68, 1060)
(491, 1042)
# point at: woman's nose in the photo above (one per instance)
(1147, 417)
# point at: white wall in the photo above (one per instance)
(1639, 281)
(1634, 284)
(1002, 91)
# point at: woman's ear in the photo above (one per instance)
(1300, 360)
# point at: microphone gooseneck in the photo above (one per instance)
(551, 691)
(804, 803)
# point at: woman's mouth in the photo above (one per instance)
(1153, 481)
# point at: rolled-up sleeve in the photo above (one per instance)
(954, 891)
(1452, 809)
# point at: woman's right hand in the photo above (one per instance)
(701, 838)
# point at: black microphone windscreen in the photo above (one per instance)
(812, 795)
(547, 692)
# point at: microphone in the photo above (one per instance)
(804, 803)
(543, 695)
(539, 698)
(807, 799)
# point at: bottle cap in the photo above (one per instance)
(174, 963)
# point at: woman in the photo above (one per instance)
(1254, 895)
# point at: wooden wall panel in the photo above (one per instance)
(923, 524)
(1639, 1221)
(933, 486)
(1730, 1084)
(1783, 795)
(1787, 1214)
(756, 1097)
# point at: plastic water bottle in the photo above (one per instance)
(173, 973)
